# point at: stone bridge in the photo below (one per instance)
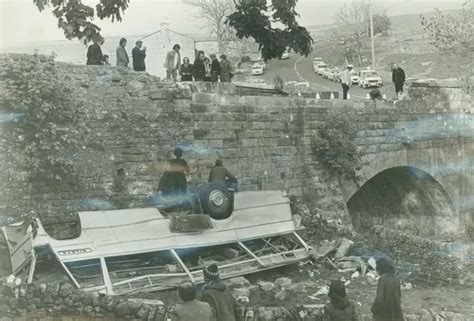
(418, 171)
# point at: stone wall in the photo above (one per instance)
(135, 122)
(61, 302)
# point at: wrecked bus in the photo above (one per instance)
(145, 249)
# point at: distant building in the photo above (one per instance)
(160, 42)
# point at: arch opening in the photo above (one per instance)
(404, 198)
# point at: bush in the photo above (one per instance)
(335, 147)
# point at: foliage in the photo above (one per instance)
(257, 19)
(453, 34)
(215, 12)
(381, 23)
(44, 127)
(352, 21)
(335, 147)
(75, 18)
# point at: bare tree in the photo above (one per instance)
(351, 32)
(215, 13)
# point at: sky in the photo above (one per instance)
(21, 23)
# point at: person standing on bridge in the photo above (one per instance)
(138, 55)
(346, 81)
(398, 79)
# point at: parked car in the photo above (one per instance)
(354, 77)
(327, 73)
(320, 67)
(317, 60)
(261, 63)
(369, 78)
(285, 55)
(257, 70)
(334, 75)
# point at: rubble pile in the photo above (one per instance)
(434, 264)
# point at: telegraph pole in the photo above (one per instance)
(372, 34)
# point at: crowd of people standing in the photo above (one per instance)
(202, 69)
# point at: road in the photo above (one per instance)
(300, 68)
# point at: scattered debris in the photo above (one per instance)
(372, 263)
(283, 282)
(354, 275)
(322, 291)
(352, 264)
(343, 248)
(407, 286)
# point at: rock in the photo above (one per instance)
(156, 94)
(143, 312)
(266, 286)
(65, 290)
(296, 287)
(239, 281)
(412, 317)
(116, 78)
(283, 282)
(85, 84)
(425, 315)
(322, 291)
(280, 295)
(452, 316)
(88, 309)
(122, 309)
(241, 292)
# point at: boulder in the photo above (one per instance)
(122, 309)
(65, 290)
(239, 281)
(266, 286)
(241, 292)
(425, 315)
(283, 282)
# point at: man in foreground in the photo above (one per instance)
(190, 309)
(219, 296)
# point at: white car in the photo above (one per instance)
(257, 70)
(317, 60)
(320, 68)
(369, 78)
(285, 55)
(261, 63)
(354, 77)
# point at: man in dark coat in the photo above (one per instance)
(219, 296)
(339, 308)
(199, 70)
(219, 173)
(398, 78)
(186, 70)
(138, 56)
(94, 52)
(173, 181)
(215, 68)
(190, 309)
(387, 303)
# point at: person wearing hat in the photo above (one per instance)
(173, 62)
(339, 307)
(219, 296)
(190, 309)
(226, 69)
(346, 81)
(138, 56)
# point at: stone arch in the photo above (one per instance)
(405, 198)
